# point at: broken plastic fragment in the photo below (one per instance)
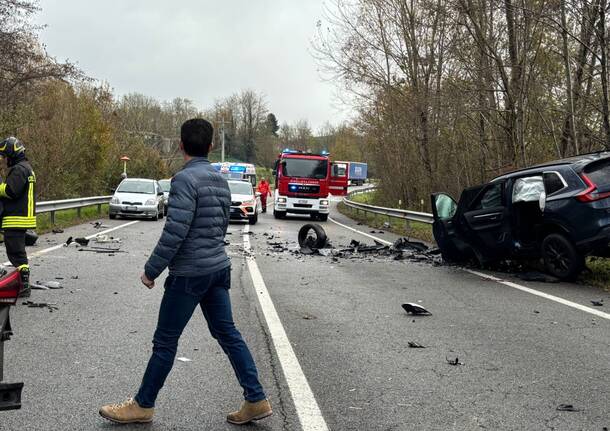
(417, 309)
(183, 359)
(81, 241)
(567, 408)
(598, 303)
(454, 362)
(414, 345)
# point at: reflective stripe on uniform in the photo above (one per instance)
(31, 181)
(23, 267)
(3, 190)
(18, 222)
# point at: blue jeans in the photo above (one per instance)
(181, 297)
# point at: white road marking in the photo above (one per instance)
(57, 247)
(529, 290)
(308, 411)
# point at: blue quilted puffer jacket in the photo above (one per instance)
(192, 242)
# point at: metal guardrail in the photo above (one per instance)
(68, 204)
(388, 212)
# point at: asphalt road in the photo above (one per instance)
(523, 355)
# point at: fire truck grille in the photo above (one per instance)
(303, 188)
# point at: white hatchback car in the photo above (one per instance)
(245, 203)
(138, 197)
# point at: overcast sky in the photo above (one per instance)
(198, 49)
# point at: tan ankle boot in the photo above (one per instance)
(250, 412)
(127, 412)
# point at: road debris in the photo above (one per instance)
(454, 362)
(598, 303)
(46, 285)
(50, 306)
(57, 230)
(312, 236)
(30, 237)
(567, 408)
(105, 239)
(415, 345)
(183, 359)
(68, 242)
(81, 241)
(415, 309)
(99, 225)
(537, 276)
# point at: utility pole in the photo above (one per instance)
(222, 140)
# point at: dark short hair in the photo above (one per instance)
(196, 135)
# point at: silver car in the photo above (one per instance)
(165, 186)
(138, 197)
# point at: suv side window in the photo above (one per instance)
(490, 198)
(552, 182)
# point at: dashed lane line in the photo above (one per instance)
(308, 411)
(525, 289)
(57, 247)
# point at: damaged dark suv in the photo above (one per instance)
(558, 211)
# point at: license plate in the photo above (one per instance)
(131, 208)
(302, 201)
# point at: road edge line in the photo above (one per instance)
(525, 289)
(306, 406)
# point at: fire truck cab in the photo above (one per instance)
(302, 182)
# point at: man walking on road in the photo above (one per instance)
(264, 190)
(19, 207)
(192, 246)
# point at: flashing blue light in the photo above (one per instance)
(324, 153)
(290, 151)
(293, 188)
(237, 169)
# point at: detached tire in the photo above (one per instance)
(561, 259)
(305, 240)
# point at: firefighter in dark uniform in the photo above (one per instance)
(19, 213)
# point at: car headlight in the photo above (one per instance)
(151, 202)
(281, 200)
(115, 200)
(324, 202)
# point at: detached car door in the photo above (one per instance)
(486, 225)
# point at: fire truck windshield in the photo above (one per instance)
(305, 168)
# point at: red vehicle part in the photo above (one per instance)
(10, 286)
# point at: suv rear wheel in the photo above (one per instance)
(561, 259)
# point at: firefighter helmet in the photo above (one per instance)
(11, 148)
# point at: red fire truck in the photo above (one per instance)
(302, 184)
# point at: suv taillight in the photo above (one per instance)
(10, 286)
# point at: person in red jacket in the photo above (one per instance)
(264, 190)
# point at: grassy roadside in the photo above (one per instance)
(598, 274)
(68, 218)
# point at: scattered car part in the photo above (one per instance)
(49, 305)
(68, 242)
(57, 230)
(30, 237)
(415, 345)
(402, 244)
(415, 309)
(567, 408)
(454, 362)
(81, 241)
(598, 303)
(316, 241)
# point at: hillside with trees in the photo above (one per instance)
(455, 92)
